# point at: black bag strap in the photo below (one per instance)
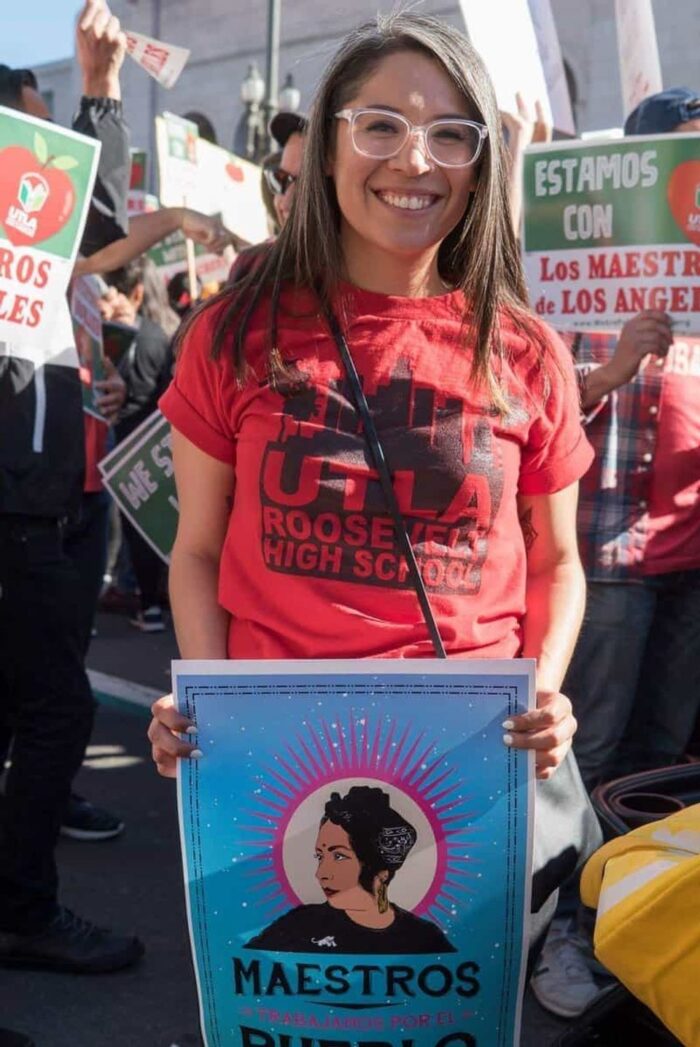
(380, 464)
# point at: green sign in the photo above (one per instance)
(139, 476)
(46, 179)
(613, 227)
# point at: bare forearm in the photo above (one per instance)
(201, 624)
(144, 231)
(555, 603)
(598, 383)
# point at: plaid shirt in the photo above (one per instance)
(615, 492)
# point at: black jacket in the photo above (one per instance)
(146, 368)
(42, 445)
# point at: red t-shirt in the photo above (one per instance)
(309, 567)
(673, 542)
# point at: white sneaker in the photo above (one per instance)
(563, 982)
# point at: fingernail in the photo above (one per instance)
(508, 725)
(196, 754)
(507, 739)
(191, 730)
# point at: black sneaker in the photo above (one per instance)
(9, 1038)
(69, 944)
(83, 821)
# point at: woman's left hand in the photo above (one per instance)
(548, 730)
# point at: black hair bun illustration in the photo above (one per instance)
(380, 836)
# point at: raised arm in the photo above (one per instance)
(648, 333)
(149, 229)
(522, 131)
(100, 50)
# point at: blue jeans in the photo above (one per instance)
(634, 679)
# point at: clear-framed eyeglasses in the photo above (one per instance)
(381, 134)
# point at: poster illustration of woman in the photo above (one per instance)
(361, 843)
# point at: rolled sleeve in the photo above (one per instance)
(198, 402)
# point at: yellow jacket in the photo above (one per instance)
(646, 888)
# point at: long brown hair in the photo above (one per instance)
(480, 256)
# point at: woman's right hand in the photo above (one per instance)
(163, 733)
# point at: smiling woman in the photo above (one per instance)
(398, 254)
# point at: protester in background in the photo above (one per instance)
(43, 684)
(634, 679)
(204, 126)
(141, 303)
(85, 545)
(288, 130)
(180, 293)
(280, 172)
(400, 227)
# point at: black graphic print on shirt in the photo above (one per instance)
(323, 511)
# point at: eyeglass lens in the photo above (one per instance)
(381, 135)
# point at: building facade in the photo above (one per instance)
(225, 36)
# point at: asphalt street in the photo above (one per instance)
(134, 883)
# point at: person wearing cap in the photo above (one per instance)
(280, 172)
(634, 679)
(288, 130)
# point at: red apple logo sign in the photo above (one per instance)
(37, 197)
(684, 198)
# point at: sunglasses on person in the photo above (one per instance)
(279, 180)
(381, 134)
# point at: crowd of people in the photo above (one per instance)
(395, 211)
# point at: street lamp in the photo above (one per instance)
(258, 113)
(252, 94)
(260, 107)
(290, 96)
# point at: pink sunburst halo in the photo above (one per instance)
(330, 757)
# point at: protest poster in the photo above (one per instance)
(406, 930)
(170, 257)
(612, 228)
(526, 60)
(46, 180)
(138, 474)
(638, 50)
(164, 62)
(176, 143)
(87, 332)
(209, 179)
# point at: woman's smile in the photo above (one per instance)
(407, 200)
